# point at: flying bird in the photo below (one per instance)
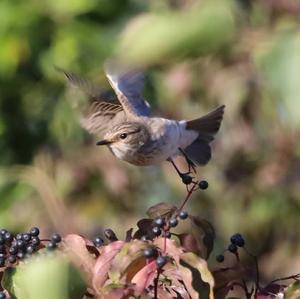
(133, 135)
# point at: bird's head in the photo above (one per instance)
(126, 138)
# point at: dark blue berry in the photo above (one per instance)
(238, 240)
(203, 185)
(2, 240)
(35, 241)
(173, 222)
(232, 248)
(145, 238)
(186, 179)
(160, 222)
(3, 231)
(56, 238)
(29, 249)
(183, 215)
(12, 259)
(2, 249)
(161, 261)
(2, 255)
(150, 252)
(2, 262)
(220, 258)
(8, 236)
(19, 236)
(98, 242)
(51, 245)
(26, 237)
(156, 231)
(20, 255)
(13, 250)
(21, 244)
(34, 231)
(3, 295)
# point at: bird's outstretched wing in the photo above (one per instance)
(128, 87)
(98, 113)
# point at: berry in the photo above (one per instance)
(160, 222)
(203, 185)
(19, 236)
(2, 240)
(2, 262)
(29, 249)
(161, 261)
(232, 248)
(26, 237)
(2, 295)
(156, 231)
(183, 215)
(145, 238)
(51, 245)
(12, 259)
(35, 241)
(2, 249)
(34, 231)
(150, 252)
(173, 222)
(186, 179)
(2, 255)
(13, 250)
(98, 242)
(110, 235)
(56, 238)
(8, 237)
(238, 240)
(3, 231)
(220, 258)
(20, 255)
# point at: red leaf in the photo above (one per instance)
(103, 263)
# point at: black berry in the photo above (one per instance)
(220, 258)
(26, 237)
(150, 252)
(12, 259)
(145, 238)
(29, 249)
(56, 238)
(232, 248)
(98, 242)
(19, 236)
(186, 179)
(160, 222)
(3, 231)
(161, 261)
(183, 215)
(35, 241)
(34, 231)
(238, 240)
(2, 295)
(20, 244)
(2, 240)
(8, 237)
(20, 255)
(156, 231)
(2, 249)
(2, 262)
(173, 222)
(203, 185)
(51, 245)
(13, 250)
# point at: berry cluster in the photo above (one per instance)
(14, 248)
(187, 180)
(236, 241)
(162, 226)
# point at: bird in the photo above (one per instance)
(132, 134)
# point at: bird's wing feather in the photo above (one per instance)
(206, 126)
(97, 113)
(128, 87)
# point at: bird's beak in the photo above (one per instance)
(103, 142)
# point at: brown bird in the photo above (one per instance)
(133, 135)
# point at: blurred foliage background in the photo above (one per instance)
(199, 54)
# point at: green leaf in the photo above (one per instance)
(196, 276)
(293, 291)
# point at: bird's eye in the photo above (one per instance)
(123, 135)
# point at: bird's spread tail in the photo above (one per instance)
(207, 126)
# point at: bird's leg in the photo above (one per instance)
(185, 177)
(191, 164)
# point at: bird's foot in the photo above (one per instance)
(190, 163)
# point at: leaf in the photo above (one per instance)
(145, 229)
(189, 243)
(293, 291)
(127, 262)
(205, 233)
(104, 262)
(144, 277)
(271, 291)
(76, 248)
(162, 209)
(10, 283)
(196, 276)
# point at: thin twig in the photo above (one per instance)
(156, 284)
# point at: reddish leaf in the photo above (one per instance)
(162, 209)
(144, 277)
(272, 291)
(189, 243)
(169, 246)
(76, 248)
(205, 233)
(103, 263)
(128, 236)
